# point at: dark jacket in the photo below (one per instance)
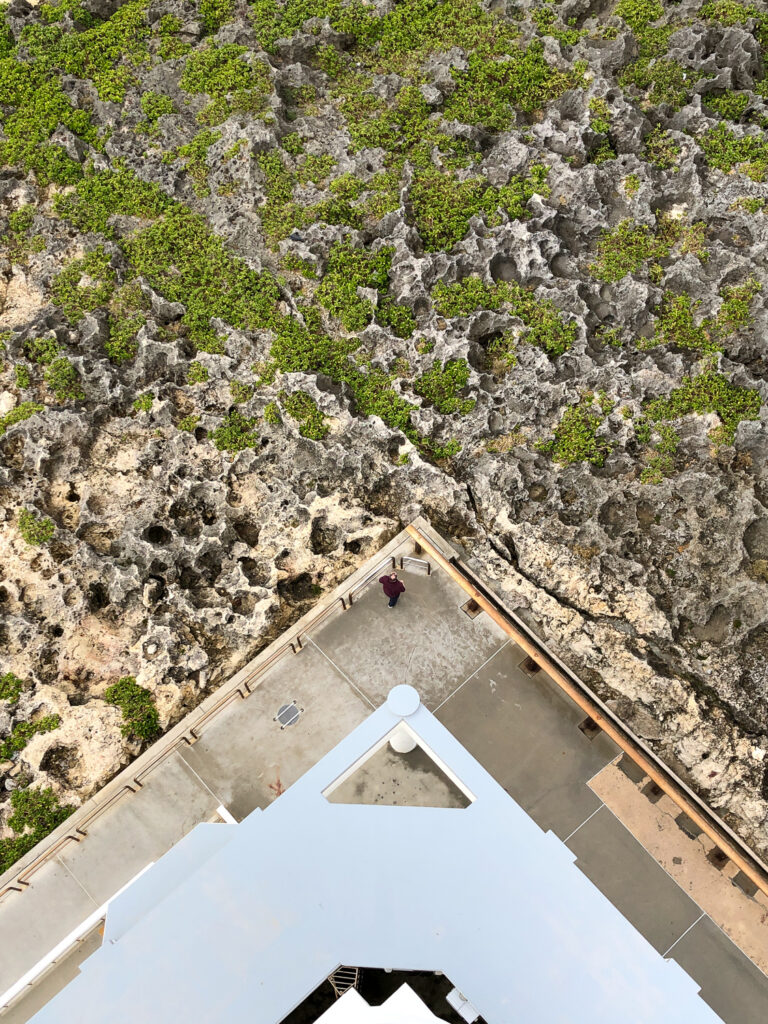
(391, 587)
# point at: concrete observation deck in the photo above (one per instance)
(233, 755)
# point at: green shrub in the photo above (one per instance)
(676, 325)
(10, 687)
(545, 325)
(234, 85)
(489, 92)
(188, 423)
(709, 392)
(638, 14)
(751, 204)
(440, 386)
(144, 402)
(64, 381)
(442, 206)
(575, 438)
(735, 311)
(292, 143)
(240, 392)
(730, 105)
(185, 262)
(600, 116)
(108, 52)
(272, 414)
(77, 299)
(350, 268)
(197, 373)
(35, 530)
(23, 732)
(195, 156)
(35, 814)
(625, 249)
(396, 316)
(42, 350)
(662, 150)
(215, 13)
(170, 45)
(21, 373)
(102, 194)
(302, 407)
(140, 717)
(154, 106)
(22, 412)
(235, 433)
(726, 151)
(661, 463)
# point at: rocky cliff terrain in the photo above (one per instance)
(276, 277)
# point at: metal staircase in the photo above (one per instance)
(344, 978)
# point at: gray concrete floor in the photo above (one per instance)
(245, 757)
(501, 715)
(399, 780)
(730, 982)
(521, 728)
(610, 856)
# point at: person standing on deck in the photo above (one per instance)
(393, 588)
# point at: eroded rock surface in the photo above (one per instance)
(192, 527)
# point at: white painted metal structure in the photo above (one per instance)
(403, 1007)
(241, 923)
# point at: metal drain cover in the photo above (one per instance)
(287, 715)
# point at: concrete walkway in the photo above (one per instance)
(520, 727)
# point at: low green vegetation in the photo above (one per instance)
(234, 84)
(23, 378)
(677, 322)
(188, 423)
(185, 262)
(272, 414)
(661, 150)
(195, 157)
(726, 151)
(42, 350)
(140, 717)
(21, 412)
(235, 433)
(575, 438)
(10, 687)
(661, 457)
(632, 247)
(215, 13)
(104, 194)
(731, 12)
(750, 204)
(348, 269)
(64, 381)
(302, 407)
(35, 813)
(730, 105)
(197, 373)
(154, 107)
(77, 298)
(442, 206)
(545, 325)
(35, 530)
(710, 391)
(442, 385)
(599, 116)
(23, 732)
(144, 402)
